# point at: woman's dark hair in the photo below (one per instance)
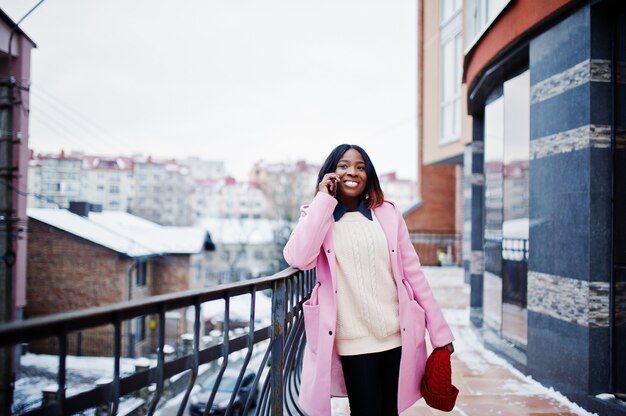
(373, 192)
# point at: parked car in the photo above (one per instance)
(201, 395)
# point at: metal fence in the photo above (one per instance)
(437, 248)
(515, 271)
(278, 377)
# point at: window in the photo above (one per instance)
(506, 153)
(141, 273)
(449, 8)
(114, 189)
(451, 67)
(479, 16)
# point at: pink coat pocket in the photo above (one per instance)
(311, 324)
(418, 316)
(419, 322)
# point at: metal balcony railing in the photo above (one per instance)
(278, 377)
(437, 248)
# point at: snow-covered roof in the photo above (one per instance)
(123, 232)
(245, 230)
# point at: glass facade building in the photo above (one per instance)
(546, 191)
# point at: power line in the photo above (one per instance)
(73, 126)
(48, 121)
(151, 252)
(72, 114)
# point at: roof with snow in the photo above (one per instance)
(245, 230)
(124, 233)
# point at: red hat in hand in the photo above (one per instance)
(437, 387)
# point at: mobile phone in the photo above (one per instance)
(333, 186)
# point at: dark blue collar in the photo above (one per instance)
(341, 209)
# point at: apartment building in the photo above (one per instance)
(535, 161)
(158, 190)
(54, 180)
(287, 186)
(108, 181)
(401, 191)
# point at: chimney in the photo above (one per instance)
(83, 208)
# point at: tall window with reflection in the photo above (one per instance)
(507, 144)
(515, 208)
(494, 202)
(450, 71)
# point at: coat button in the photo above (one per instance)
(330, 332)
(393, 251)
(404, 329)
(328, 251)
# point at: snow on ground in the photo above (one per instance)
(448, 283)
(91, 367)
(39, 371)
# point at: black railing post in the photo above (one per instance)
(278, 341)
(117, 345)
(61, 376)
(195, 360)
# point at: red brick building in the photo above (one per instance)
(78, 262)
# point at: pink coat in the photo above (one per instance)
(311, 245)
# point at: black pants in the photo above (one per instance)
(372, 382)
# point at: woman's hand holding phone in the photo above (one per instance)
(329, 184)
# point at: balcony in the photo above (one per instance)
(276, 348)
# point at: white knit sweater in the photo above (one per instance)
(367, 299)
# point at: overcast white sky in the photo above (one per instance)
(235, 80)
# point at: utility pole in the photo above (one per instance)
(7, 255)
(11, 97)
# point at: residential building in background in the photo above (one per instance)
(402, 192)
(532, 168)
(161, 192)
(227, 198)
(54, 180)
(88, 257)
(200, 169)
(109, 182)
(158, 190)
(286, 185)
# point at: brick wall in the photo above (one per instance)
(438, 189)
(65, 272)
(170, 273)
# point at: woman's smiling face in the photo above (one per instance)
(352, 176)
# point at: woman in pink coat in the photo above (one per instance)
(366, 319)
